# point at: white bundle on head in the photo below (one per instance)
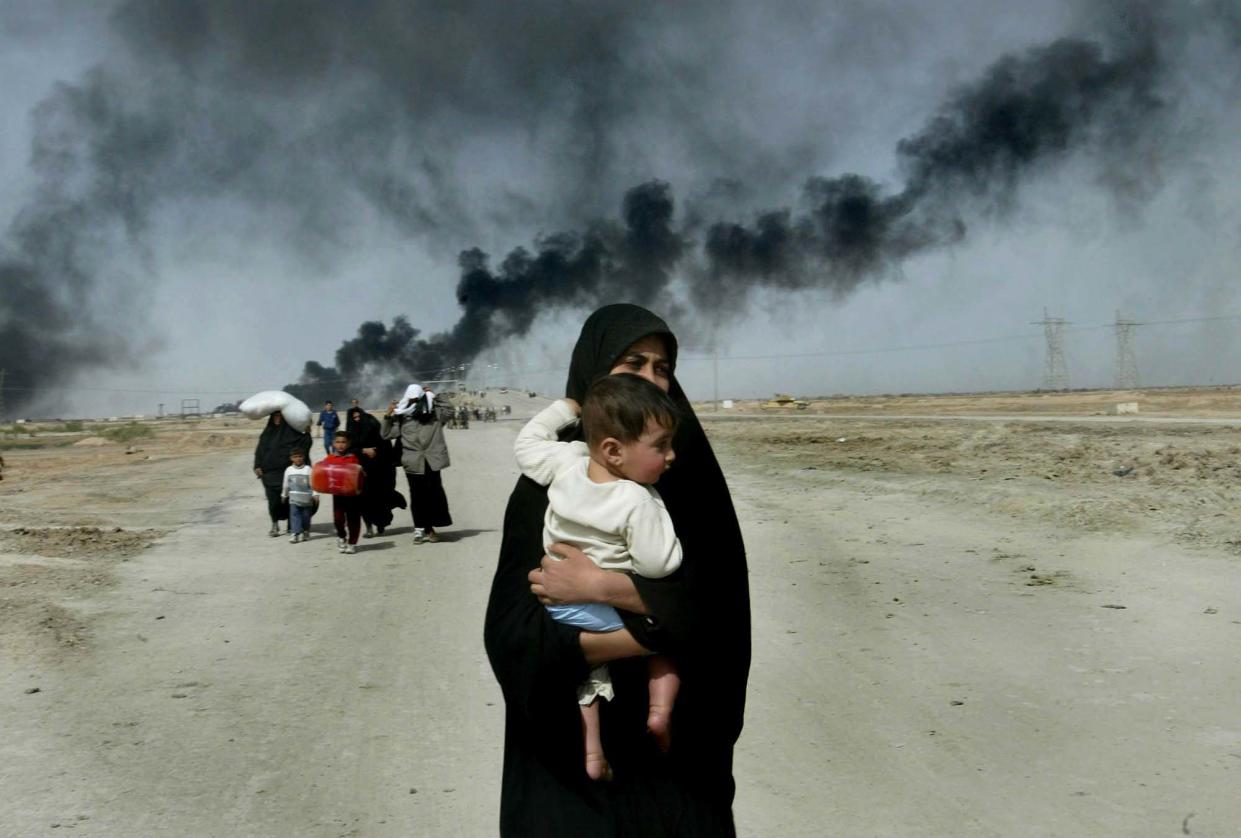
(410, 400)
(267, 402)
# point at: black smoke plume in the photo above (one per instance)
(321, 119)
(1026, 113)
(308, 116)
(632, 260)
(55, 317)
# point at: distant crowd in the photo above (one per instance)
(362, 455)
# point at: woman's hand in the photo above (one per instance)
(258, 472)
(575, 578)
(370, 452)
(391, 408)
(571, 578)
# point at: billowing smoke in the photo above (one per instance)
(1026, 112)
(304, 120)
(54, 320)
(633, 260)
(303, 124)
(971, 158)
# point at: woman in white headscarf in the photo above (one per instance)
(415, 421)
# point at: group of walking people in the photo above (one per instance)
(410, 436)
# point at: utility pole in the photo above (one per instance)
(715, 377)
(2, 372)
(1056, 368)
(1126, 358)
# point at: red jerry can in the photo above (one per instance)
(336, 478)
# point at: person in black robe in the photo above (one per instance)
(376, 456)
(271, 457)
(700, 615)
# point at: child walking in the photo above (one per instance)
(295, 491)
(330, 421)
(346, 509)
(601, 500)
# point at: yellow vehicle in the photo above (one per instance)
(783, 401)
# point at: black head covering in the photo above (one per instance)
(277, 440)
(363, 430)
(280, 431)
(605, 336)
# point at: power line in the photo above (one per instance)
(955, 343)
(829, 353)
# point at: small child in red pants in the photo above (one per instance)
(346, 509)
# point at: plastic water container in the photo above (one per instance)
(336, 478)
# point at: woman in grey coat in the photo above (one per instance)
(416, 424)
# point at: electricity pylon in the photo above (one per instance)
(1056, 368)
(1126, 358)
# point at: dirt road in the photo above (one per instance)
(923, 665)
(241, 685)
(924, 668)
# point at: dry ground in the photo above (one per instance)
(1196, 402)
(972, 616)
(1182, 481)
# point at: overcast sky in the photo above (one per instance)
(201, 197)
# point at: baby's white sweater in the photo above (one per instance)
(621, 525)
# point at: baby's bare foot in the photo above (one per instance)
(659, 723)
(597, 767)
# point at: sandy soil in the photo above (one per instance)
(963, 626)
(1196, 402)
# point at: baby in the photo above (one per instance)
(601, 500)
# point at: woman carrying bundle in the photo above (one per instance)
(271, 457)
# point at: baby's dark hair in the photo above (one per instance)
(345, 435)
(620, 405)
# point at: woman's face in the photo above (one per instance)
(277, 418)
(648, 358)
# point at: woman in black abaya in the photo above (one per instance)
(271, 458)
(699, 615)
(376, 456)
